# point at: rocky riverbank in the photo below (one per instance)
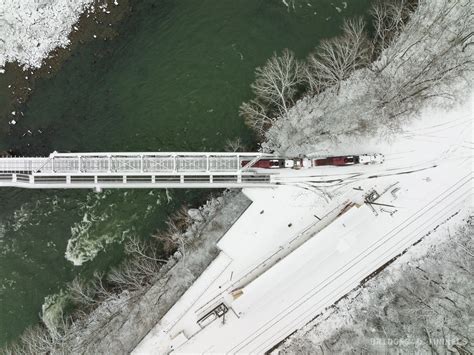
(114, 312)
(37, 38)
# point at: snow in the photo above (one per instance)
(275, 278)
(372, 314)
(428, 64)
(31, 29)
(260, 233)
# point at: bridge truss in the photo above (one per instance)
(134, 170)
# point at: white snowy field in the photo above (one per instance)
(31, 29)
(425, 291)
(290, 255)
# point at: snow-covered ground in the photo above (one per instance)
(31, 29)
(302, 246)
(407, 308)
(429, 63)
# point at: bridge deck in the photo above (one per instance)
(133, 170)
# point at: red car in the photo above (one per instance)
(338, 161)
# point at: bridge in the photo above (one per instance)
(134, 170)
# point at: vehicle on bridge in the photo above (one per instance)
(298, 163)
(267, 163)
(271, 163)
(104, 170)
(364, 159)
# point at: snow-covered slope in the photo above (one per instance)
(429, 64)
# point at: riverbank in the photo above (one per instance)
(116, 321)
(384, 95)
(38, 39)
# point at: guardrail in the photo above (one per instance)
(131, 163)
(133, 170)
(99, 182)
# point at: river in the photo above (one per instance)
(172, 80)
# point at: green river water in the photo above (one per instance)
(172, 80)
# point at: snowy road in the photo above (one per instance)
(288, 257)
(325, 268)
(416, 150)
(328, 267)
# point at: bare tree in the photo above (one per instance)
(335, 59)
(257, 116)
(234, 145)
(81, 292)
(278, 80)
(276, 88)
(36, 340)
(140, 268)
(389, 18)
(429, 60)
(428, 55)
(133, 274)
(143, 249)
(168, 244)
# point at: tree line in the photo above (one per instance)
(374, 75)
(284, 79)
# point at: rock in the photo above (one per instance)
(195, 214)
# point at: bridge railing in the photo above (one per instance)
(134, 170)
(137, 163)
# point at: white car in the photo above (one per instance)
(376, 158)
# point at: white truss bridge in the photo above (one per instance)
(134, 170)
